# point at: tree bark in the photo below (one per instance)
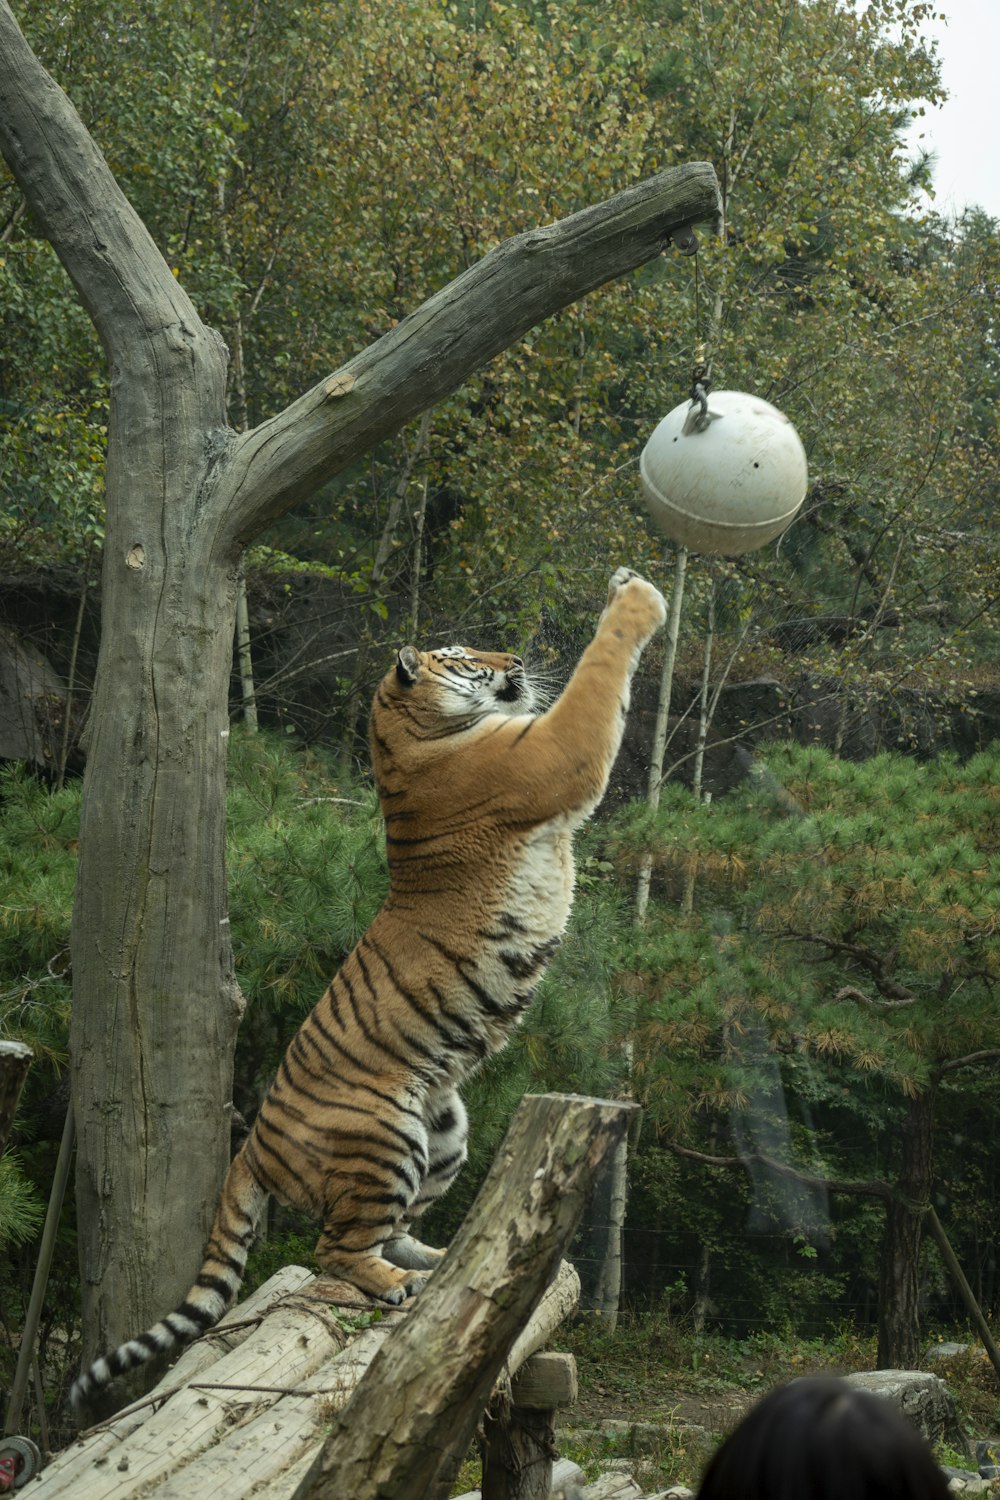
(156, 1003)
(662, 720)
(410, 1422)
(899, 1266)
(608, 1213)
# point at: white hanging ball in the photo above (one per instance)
(730, 487)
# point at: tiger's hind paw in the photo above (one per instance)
(397, 1295)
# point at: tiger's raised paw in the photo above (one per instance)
(642, 600)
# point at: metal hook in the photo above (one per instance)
(685, 239)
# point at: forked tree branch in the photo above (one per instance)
(520, 283)
(151, 330)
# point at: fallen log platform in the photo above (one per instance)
(229, 1421)
(297, 1392)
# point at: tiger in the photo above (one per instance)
(364, 1125)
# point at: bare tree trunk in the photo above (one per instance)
(704, 720)
(609, 1211)
(899, 1269)
(156, 1005)
(703, 1274)
(244, 655)
(419, 517)
(662, 718)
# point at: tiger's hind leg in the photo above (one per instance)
(366, 1268)
(447, 1137)
(375, 1177)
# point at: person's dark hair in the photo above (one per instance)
(823, 1439)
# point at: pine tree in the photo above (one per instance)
(844, 951)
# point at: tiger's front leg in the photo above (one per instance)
(558, 763)
(635, 608)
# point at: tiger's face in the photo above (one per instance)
(458, 683)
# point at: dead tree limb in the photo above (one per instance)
(408, 1426)
(873, 1188)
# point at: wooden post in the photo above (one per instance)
(15, 1060)
(968, 1296)
(46, 1250)
(408, 1426)
(518, 1447)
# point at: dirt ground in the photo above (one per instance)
(716, 1413)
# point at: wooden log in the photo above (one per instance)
(277, 1424)
(518, 1445)
(261, 1355)
(567, 1478)
(559, 1299)
(546, 1382)
(408, 1425)
(15, 1060)
(975, 1312)
(94, 1447)
(517, 1449)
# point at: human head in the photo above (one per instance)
(822, 1439)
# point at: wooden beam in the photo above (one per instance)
(518, 1437)
(975, 1312)
(546, 1382)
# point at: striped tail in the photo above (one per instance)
(240, 1206)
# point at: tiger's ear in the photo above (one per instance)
(407, 666)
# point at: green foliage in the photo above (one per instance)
(859, 928)
(21, 1208)
(38, 872)
(840, 967)
(306, 868)
(274, 190)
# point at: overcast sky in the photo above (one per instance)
(964, 133)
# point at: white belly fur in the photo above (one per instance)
(540, 892)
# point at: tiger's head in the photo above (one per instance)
(457, 683)
(429, 696)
